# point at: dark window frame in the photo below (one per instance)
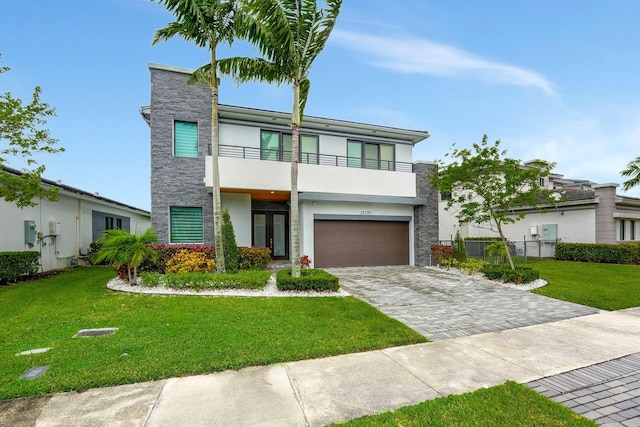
(281, 155)
(364, 162)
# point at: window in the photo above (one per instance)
(186, 224)
(622, 227)
(185, 139)
(108, 223)
(445, 195)
(370, 155)
(119, 223)
(632, 230)
(276, 146)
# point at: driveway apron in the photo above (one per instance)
(440, 305)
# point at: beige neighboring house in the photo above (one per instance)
(585, 213)
(62, 231)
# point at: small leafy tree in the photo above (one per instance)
(486, 186)
(633, 172)
(22, 135)
(120, 247)
(229, 241)
(459, 250)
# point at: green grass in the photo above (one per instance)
(166, 336)
(604, 286)
(508, 405)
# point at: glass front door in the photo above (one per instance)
(271, 230)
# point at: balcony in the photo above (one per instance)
(249, 168)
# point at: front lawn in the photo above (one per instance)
(604, 286)
(508, 405)
(166, 336)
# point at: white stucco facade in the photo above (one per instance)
(63, 229)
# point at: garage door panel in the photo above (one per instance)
(360, 243)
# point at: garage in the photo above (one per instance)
(339, 243)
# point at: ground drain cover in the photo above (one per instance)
(34, 372)
(95, 332)
(34, 351)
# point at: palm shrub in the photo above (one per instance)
(121, 248)
(229, 242)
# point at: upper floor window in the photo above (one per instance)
(370, 155)
(276, 146)
(185, 139)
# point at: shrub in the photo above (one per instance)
(305, 261)
(190, 262)
(626, 253)
(249, 279)
(459, 251)
(16, 264)
(441, 254)
(253, 258)
(508, 275)
(471, 265)
(229, 243)
(309, 280)
(166, 252)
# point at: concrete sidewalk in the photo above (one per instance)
(323, 391)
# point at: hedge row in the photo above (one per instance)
(249, 258)
(13, 265)
(507, 275)
(441, 254)
(249, 279)
(309, 280)
(625, 253)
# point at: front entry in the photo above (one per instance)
(271, 230)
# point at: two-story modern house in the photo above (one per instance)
(363, 201)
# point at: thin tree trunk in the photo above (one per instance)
(506, 246)
(295, 214)
(215, 142)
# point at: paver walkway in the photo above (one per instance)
(608, 392)
(440, 305)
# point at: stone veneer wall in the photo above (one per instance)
(425, 217)
(605, 222)
(178, 181)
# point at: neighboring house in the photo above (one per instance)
(363, 201)
(586, 212)
(62, 231)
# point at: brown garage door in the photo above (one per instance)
(358, 243)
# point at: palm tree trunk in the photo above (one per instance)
(295, 214)
(215, 142)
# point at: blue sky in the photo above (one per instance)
(558, 80)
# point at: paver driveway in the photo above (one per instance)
(440, 305)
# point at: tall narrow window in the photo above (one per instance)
(186, 224)
(622, 227)
(387, 160)
(309, 149)
(185, 139)
(108, 223)
(119, 223)
(632, 230)
(354, 154)
(269, 145)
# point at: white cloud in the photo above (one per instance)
(414, 55)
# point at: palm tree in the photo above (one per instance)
(289, 34)
(206, 23)
(633, 171)
(120, 247)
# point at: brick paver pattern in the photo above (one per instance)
(608, 393)
(440, 305)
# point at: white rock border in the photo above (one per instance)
(481, 278)
(270, 290)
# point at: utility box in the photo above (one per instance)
(54, 227)
(534, 230)
(549, 232)
(29, 232)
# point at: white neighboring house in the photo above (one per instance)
(585, 213)
(363, 200)
(62, 231)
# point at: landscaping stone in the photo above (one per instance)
(34, 372)
(34, 351)
(95, 332)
